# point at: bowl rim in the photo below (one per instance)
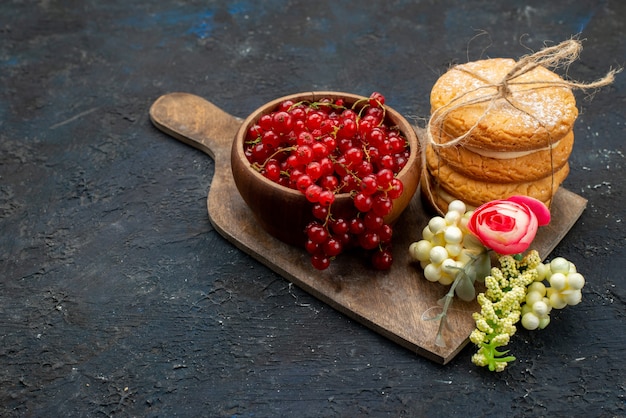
(407, 130)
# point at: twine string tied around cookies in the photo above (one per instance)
(557, 56)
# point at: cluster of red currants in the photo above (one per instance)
(324, 148)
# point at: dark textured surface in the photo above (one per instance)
(118, 298)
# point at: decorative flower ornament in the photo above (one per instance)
(509, 226)
(454, 251)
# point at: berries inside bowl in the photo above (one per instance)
(328, 171)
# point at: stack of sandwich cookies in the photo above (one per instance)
(490, 140)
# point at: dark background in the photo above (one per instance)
(118, 298)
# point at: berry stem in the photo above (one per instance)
(259, 167)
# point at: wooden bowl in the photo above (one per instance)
(284, 212)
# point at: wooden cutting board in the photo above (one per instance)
(391, 303)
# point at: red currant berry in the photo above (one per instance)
(363, 202)
(382, 205)
(348, 114)
(347, 128)
(299, 125)
(376, 113)
(382, 260)
(305, 138)
(345, 239)
(332, 247)
(270, 139)
(317, 233)
(326, 127)
(326, 198)
(350, 183)
(339, 167)
(320, 261)
(376, 137)
(400, 161)
(265, 122)
(285, 106)
(353, 156)
(298, 113)
(369, 240)
(284, 181)
(311, 247)
(373, 221)
(303, 182)
(272, 170)
(364, 127)
(372, 117)
(397, 144)
(327, 166)
(387, 162)
(373, 155)
(376, 99)
(312, 193)
(369, 185)
(386, 148)
(384, 178)
(260, 152)
(330, 143)
(329, 183)
(292, 161)
(339, 226)
(343, 145)
(320, 211)
(324, 104)
(319, 150)
(356, 226)
(396, 189)
(255, 132)
(304, 154)
(282, 122)
(364, 168)
(385, 233)
(314, 120)
(314, 170)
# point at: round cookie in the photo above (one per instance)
(533, 165)
(438, 199)
(532, 115)
(477, 192)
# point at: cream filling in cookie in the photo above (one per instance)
(502, 155)
(447, 197)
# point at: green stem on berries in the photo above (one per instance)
(316, 105)
(362, 109)
(329, 216)
(259, 167)
(358, 103)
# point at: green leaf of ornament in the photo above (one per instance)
(506, 359)
(465, 289)
(499, 353)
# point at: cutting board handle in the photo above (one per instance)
(196, 122)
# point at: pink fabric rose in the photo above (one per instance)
(509, 226)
